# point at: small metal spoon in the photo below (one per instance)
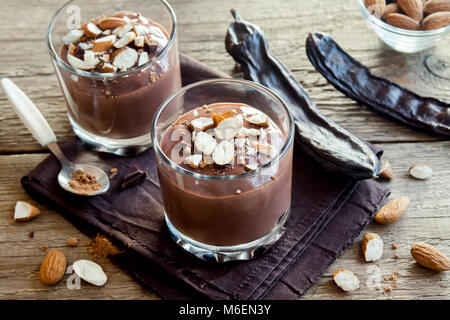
(41, 131)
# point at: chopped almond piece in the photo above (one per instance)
(217, 118)
(205, 143)
(122, 31)
(202, 124)
(78, 63)
(104, 43)
(224, 153)
(92, 30)
(250, 167)
(227, 129)
(346, 280)
(228, 114)
(267, 150)
(139, 41)
(72, 49)
(143, 58)
(259, 119)
(126, 59)
(72, 36)
(108, 68)
(125, 40)
(25, 211)
(194, 160)
(90, 58)
(206, 161)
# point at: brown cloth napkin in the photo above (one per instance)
(327, 214)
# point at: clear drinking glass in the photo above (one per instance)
(113, 112)
(223, 218)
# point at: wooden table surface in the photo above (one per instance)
(202, 25)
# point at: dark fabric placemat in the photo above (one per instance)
(328, 212)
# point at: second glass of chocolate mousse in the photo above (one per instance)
(224, 152)
(116, 62)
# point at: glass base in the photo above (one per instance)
(122, 147)
(219, 254)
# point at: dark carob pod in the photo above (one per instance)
(331, 146)
(357, 82)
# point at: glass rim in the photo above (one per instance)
(404, 32)
(97, 75)
(276, 97)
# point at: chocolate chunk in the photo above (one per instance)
(134, 176)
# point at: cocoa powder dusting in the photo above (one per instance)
(84, 183)
(101, 247)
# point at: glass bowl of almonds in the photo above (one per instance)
(408, 25)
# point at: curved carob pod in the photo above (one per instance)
(331, 146)
(357, 82)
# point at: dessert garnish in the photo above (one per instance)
(113, 43)
(83, 183)
(134, 176)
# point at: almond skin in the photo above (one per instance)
(429, 257)
(402, 21)
(413, 8)
(436, 20)
(376, 7)
(393, 210)
(432, 6)
(53, 267)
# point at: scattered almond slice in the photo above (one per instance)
(126, 59)
(420, 171)
(72, 36)
(194, 160)
(92, 30)
(143, 58)
(205, 143)
(267, 150)
(217, 118)
(90, 58)
(78, 63)
(125, 40)
(372, 247)
(139, 41)
(25, 211)
(223, 153)
(250, 167)
(227, 129)
(104, 43)
(203, 123)
(90, 272)
(346, 280)
(259, 119)
(111, 23)
(108, 68)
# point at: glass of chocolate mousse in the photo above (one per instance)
(116, 62)
(224, 157)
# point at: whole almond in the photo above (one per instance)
(386, 169)
(111, 23)
(413, 8)
(402, 21)
(432, 6)
(392, 8)
(376, 7)
(53, 267)
(393, 210)
(436, 20)
(429, 257)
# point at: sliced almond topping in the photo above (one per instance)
(228, 114)
(227, 129)
(202, 124)
(346, 280)
(259, 119)
(125, 40)
(141, 30)
(205, 143)
(121, 31)
(206, 161)
(78, 63)
(126, 59)
(111, 23)
(267, 150)
(90, 58)
(108, 68)
(139, 41)
(92, 30)
(217, 118)
(104, 43)
(143, 58)
(72, 36)
(250, 167)
(25, 211)
(224, 153)
(194, 160)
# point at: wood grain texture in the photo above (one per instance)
(202, 24)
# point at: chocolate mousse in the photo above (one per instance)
(237, 185)
(126, 50)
